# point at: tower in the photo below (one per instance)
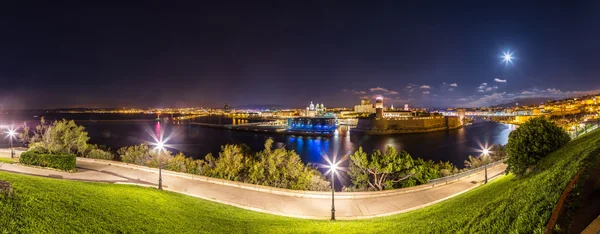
(379, 107)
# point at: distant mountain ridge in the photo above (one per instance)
(526, 102)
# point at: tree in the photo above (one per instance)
(379, 170)
(532, 141)
(231, 163)
(283, 168)
(137, 154)
(59, 137)
(270, 167)
(424, 171)
(475, 162)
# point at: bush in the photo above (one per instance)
(65, 162)
(100, 154)
(271, 167)
(59, 137)
(137, 154)
(532, 141)
(181, 163)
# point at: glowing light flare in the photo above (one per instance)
(507, 57)
(333, 165)
(11, 132)
(159, 140)
(484, 149)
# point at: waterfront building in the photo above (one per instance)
(313, 110)
(397, 114)
(306, 125)
(406, 107)
(397, 122)
(364, 107)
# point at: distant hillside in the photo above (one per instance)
(261, 106)
(526, 102)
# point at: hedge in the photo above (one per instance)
(65, 162)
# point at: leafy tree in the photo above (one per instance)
(181, 163)
(100, 154)
(475, 162)
(424, 171)
(532, 141)
(231, 163)
(282, 168)
(137, 154)
(379, 170)
(59, 137)
(446, 169)
(270, 167)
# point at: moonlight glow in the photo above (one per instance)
(507, 57)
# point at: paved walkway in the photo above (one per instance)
(315, 205)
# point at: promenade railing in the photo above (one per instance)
(464, 174)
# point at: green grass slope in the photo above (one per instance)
(505, 205)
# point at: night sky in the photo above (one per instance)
(288, 54)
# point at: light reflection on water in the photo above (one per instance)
(195, 141)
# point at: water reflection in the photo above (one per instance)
(195, 141)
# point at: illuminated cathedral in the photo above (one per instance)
(314, 110)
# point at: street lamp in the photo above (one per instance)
(583, 126)
(333, 166)
(11, 134)
(160, 146)
(485, 152)
(333, 169)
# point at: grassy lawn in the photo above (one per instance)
(8, 160)
(506, 205)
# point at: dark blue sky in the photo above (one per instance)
(288, 54)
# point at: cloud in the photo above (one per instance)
(451, 89)
(409, 86)
(499, 80)
(462, 99)
(425, 86)
(485, 88)
(383, 90)
(488, 100)
(527, 92)
(454, 85)
(379, 89)
(425, 92)
(354, 91)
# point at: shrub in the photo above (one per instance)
(181, 163)
(532, 141)
(100, 154)
(137, 154)
(271, 167)
(59, 137)
(65, 162)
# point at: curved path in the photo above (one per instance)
(300, 204)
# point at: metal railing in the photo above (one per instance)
(459, 176)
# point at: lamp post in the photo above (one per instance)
(11, 134)
(486, 152)
(584, 127)
(333, 171)
(160, 146)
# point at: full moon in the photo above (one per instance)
(507, 57)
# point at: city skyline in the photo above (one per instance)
(287, 54)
